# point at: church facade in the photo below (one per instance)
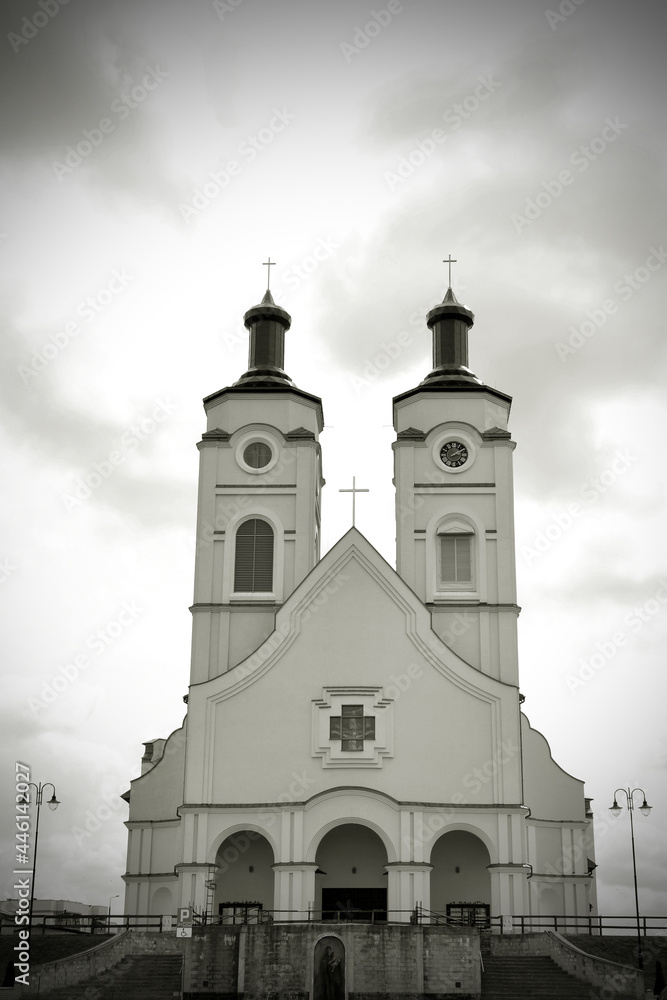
(354, 743)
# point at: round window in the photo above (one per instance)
(257, 455)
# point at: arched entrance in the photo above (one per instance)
(244, 878)
(460, 881)
(162, 902)
(351, 883)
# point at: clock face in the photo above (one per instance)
(453, 454)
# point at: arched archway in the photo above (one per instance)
(351, 882)
(162, 902)
(459, 873)
(244, 875)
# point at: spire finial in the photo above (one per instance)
(450, 260)
(269, 264)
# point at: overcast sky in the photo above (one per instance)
(153, 155)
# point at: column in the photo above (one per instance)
(409, 883)
(508, 889)
(294, 890)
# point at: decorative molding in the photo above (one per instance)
(216, 435)
(375, 748)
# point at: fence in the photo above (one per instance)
(516, 924)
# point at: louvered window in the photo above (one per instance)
(253, 569)
(456, 560)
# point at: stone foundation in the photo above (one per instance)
(382, 962)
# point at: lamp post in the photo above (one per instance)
(644, 809)
(52, 804)
(109, 918)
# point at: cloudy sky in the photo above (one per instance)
(153, 156)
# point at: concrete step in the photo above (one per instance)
(529, 978)
(136, 977)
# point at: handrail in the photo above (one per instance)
(518, 923)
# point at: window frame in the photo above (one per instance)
(254, 520)
(257, 437)
(455, 523)
(456, 584)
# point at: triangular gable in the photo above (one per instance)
(312, 594)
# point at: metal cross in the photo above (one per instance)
(450, 260)
(354, 492)
(268, 263)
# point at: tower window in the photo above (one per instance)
(253, 568)
(456, 561)
(257, 455)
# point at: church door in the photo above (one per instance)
(354, 903)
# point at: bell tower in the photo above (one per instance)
(454, 500)
(258, 512)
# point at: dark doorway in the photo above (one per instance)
(354, 904)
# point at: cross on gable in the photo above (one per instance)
(352, 727)
(355, 489)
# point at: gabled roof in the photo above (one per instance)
(311, 596)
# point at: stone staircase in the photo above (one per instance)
(520, 977)
(136, 977)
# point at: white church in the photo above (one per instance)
(354, 743)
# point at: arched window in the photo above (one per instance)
(253, 567)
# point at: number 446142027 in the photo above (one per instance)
(22, 807)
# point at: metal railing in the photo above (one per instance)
(568, 924)
(516, 924)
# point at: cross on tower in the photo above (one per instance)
(354, 491)
(450, 260)
(268, 263)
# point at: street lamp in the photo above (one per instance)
(109, 918)
(644, 809)
(52, 804)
